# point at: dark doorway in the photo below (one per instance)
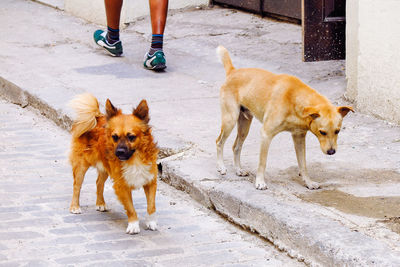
(324, 29)
(289, 10)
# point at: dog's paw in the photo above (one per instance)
(241, 172)
(101, 208)
(75, 210)
(261, 185)
(221, 170)
(151, 225)
(260, 182)
(133, 228)
(312, 185)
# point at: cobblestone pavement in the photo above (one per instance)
(36, 228)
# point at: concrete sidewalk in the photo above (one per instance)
(48, 57)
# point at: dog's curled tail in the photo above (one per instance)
(87, 110)
(225, 59)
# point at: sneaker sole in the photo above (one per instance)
(159, 67)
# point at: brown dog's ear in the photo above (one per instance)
(142, 111)
(344, 110)
(111, 111)
(310, 111)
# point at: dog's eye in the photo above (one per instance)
(131, 137)
(337, 131)
(115, 137)
(322, 132)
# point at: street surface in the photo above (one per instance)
(36, 228)
(48, 56)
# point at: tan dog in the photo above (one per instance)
(281, 103)
(117, 145)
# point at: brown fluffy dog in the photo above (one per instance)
(281, 103)
(117, 145)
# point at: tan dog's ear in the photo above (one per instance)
(111, 111)
(344, 110)
(142, 111)
(311, 111)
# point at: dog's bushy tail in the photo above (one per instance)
(87, 110)
(225, 59)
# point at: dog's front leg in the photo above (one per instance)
(265, 142)
(299, 140)
(150, 191)
(125, 197)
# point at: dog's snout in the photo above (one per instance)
(121, 150)
(331, 151)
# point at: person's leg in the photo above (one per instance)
(113, 13)
(109, 39)
(158, 13)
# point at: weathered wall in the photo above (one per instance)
(373, 57)
(93, 10)
(352, 48)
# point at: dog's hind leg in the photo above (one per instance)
(230, 114)
(150, 191)
(299, 140)
(243, 127)
(101, 179)
(79, 170)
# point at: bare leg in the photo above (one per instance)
(243, 127)
(158, 14)
(101, 179)
(299, 141)
(113, 12)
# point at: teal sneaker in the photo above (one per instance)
(155, 61)
(100, 39)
